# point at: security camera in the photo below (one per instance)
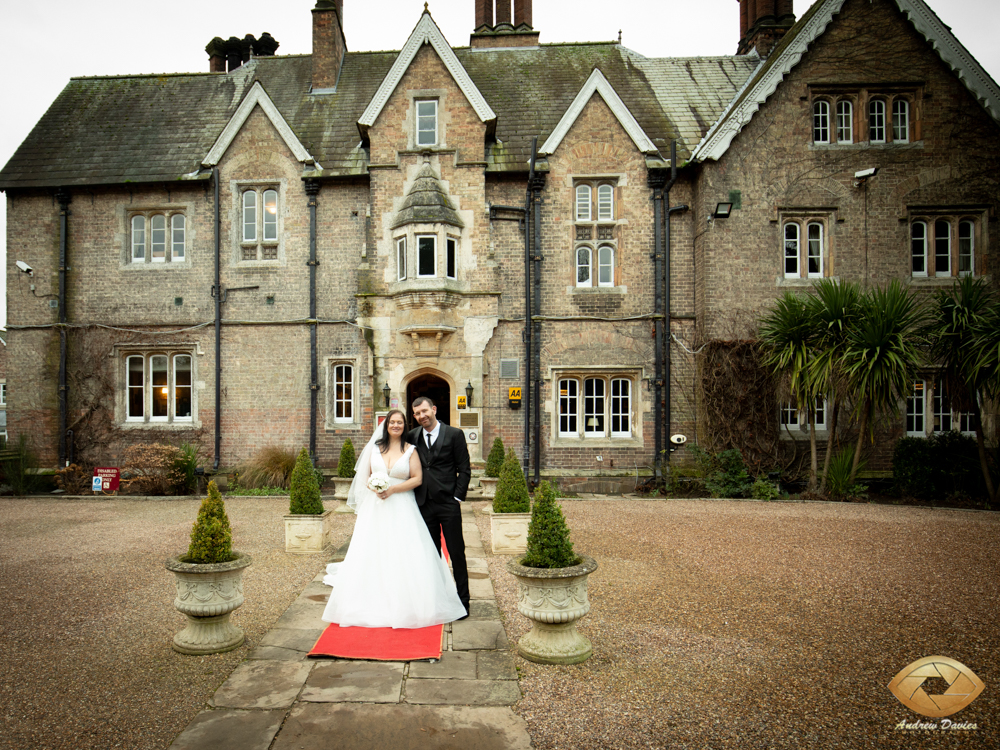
(678, 439)
(25, 267)
(864, 174)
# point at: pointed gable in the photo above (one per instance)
(425, 32)
(597, 83)
(257, 97)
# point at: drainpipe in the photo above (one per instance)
(312, 189)
(527, 309)
(64, 198)
(217, 293)
(668, 212)
(536, 236)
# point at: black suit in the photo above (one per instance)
(447, 472)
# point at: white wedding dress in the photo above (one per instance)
(392, 575)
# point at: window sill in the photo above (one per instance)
(597, 290)
(564, 441)
(338, 426)
(800, 434)
(157, 424)
(864, 144)
(938, 280)
(158, 265)
(800, 282)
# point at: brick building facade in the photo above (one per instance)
(269, 254)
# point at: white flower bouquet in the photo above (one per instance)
(378, 482)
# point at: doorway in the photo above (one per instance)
(434, 388)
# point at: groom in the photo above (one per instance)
(444, 458)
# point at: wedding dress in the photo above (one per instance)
(392, 575)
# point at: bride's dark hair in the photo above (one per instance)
(382, 443)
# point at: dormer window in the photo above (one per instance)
(427, 111)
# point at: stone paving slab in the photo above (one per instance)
(483, 609)
(463, 692)
(476, 635)
(495, 665)
(401, 727)
(293, 638)
(342, 681)
(274, 653)
(453, 665)
(480, 588)
(230, 730)
(262, 684)
(302, 616)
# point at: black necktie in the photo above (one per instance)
(428, 436)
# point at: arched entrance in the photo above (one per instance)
(436, 389)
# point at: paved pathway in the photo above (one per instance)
(278, 699)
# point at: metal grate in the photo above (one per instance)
(509, 368)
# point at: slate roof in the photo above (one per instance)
(155, 128)
(427, 203)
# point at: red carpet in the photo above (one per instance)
(381, 644)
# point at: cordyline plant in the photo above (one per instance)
(211, 535)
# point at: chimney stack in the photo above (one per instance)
(329, 44)
(502, 28)
(762, 24)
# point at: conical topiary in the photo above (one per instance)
(548, 536)
(305, 498)
(345, 466)
(512, 490)
(494, 461)
(211, 535)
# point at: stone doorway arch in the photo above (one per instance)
(434, 387)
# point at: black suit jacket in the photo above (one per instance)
(446, 466)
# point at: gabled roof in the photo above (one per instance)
(257, 97)
(789, 51)
(425, 32)
(597, 83)
(427, 202)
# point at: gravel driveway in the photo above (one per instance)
(715, 624)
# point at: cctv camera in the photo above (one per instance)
(866, 173)
(678, 439)
(25, 267)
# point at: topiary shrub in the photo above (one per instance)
(548, 535)
(345, 466)
(512, 490)
(211, 535)
(945, 463)
(494, 461)
(305, 499)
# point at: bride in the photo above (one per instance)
(392, 575)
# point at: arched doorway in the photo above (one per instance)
(436, 389)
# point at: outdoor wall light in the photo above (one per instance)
(468, 394)
(385, 392)
(722, 211)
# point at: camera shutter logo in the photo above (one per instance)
(964, 686)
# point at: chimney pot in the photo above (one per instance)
(234, 53)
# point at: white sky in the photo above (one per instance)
(48, 43)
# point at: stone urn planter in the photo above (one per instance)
(553, 599)
(207, 593)
(341, 486)
(489, 486)
(307, 534)
(509, 532)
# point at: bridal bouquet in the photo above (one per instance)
(378, 482)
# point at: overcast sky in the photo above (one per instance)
(48, 43)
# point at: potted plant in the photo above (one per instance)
(209, 582)
(552, 587)
(345, 473)
(494, 462)
(307, 525)
(511, 506)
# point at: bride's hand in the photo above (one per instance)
(384, 494)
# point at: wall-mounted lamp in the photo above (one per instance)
(385, 392)
(722, 211)
(468, 394)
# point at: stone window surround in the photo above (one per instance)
(121, 353)
(148, 210)
(330, 422)
(955, 216)
(410, 234)
(803, 216)
(237, 188)
(595, 182)
(860, 97)
(417, 95)
(634, 374)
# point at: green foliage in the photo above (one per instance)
(838, 475)
(256, 491)
(269, 467)
(305, 498)
(933, 468)
(548, 536)
(725, 473)
(512, 490)
(494, 461)
(185, 464)
(211, 535)
(762, 489)
(18, 467)
(345, 466)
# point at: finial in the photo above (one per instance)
(425, 8)
(619, 36)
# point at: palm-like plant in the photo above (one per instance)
(964, 335)
(881, 355)
(788, 335)
(833, 309)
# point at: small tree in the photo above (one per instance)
(305, 497)
(494, 461)
(211, 535)
(548, 536)
(512, 490)
(345, 466)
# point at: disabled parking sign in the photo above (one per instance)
(106, 479)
